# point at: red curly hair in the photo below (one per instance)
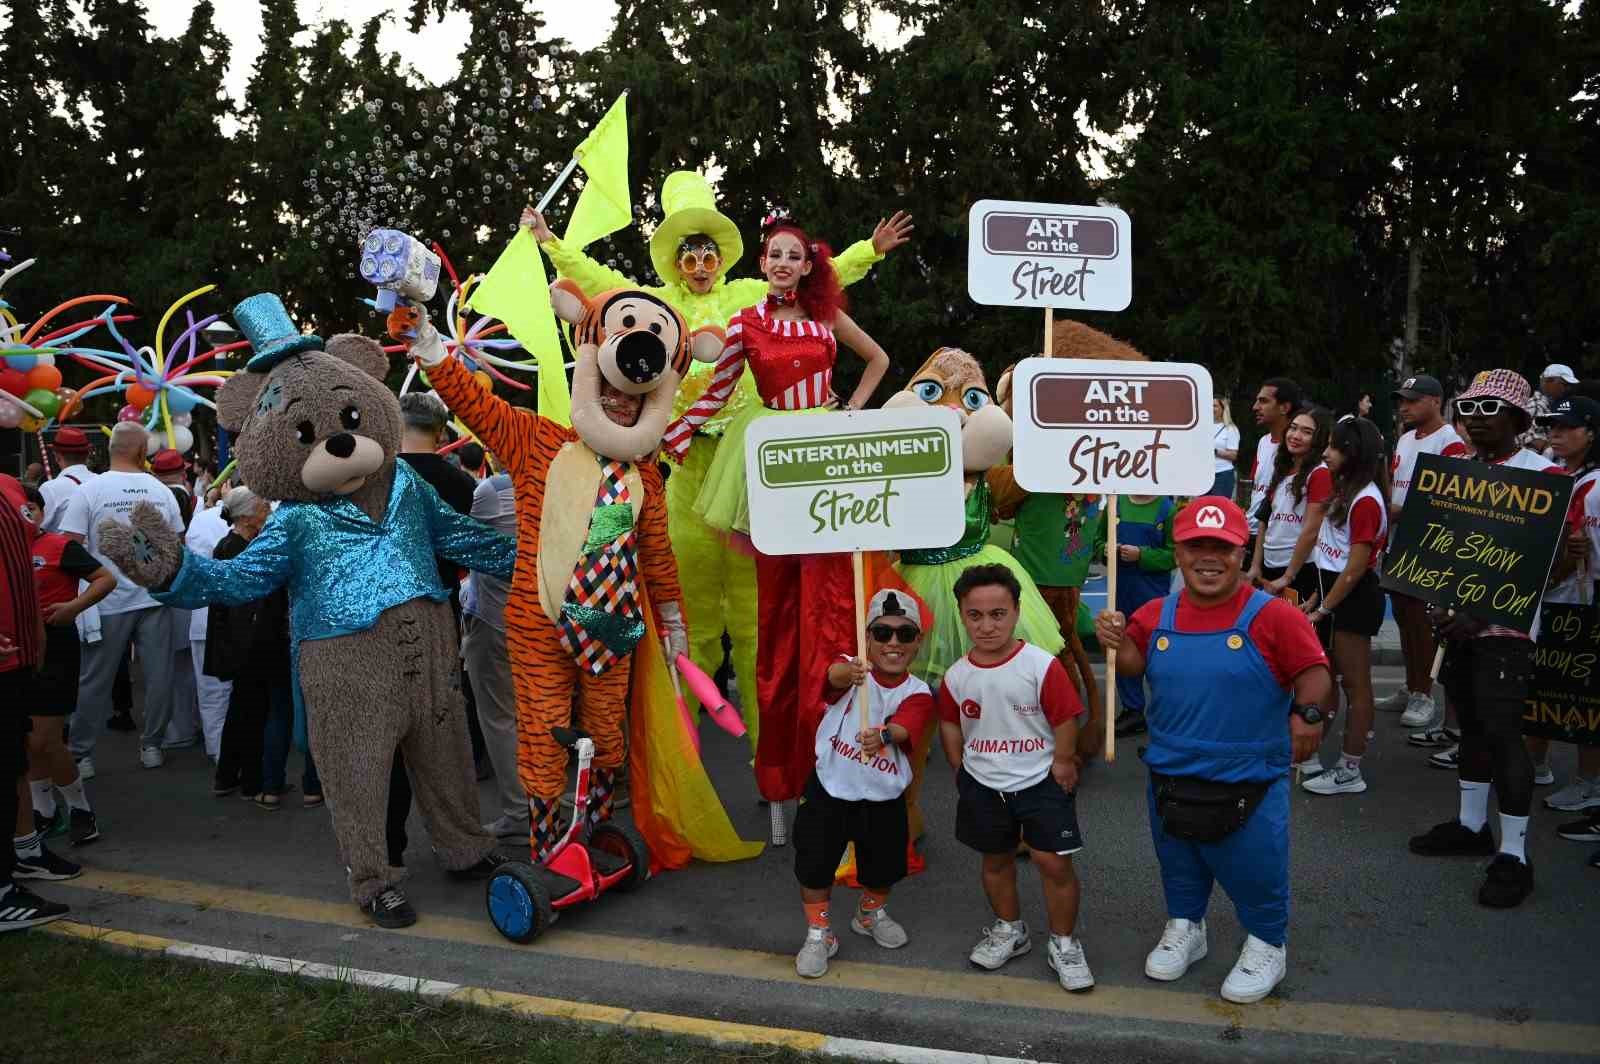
(821, 295)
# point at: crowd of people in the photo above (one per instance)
(1276, 603)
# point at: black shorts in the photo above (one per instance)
(1488, 678)
(990, 821)
(16, 691)
(1304, 583)
(825, 824)
(55, 685)
(1361, 612)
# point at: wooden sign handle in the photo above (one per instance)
(1111, 604)
(859, 580)
(1049, 332)
(1438, 657)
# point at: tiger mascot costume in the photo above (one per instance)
(595, 570)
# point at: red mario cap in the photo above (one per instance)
(1211, 517)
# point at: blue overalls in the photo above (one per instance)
(1219, 713)
(1137, 585)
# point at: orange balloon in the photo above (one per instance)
(484, 379)
(46, 377)
(140, 396)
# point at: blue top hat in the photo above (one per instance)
(271, 332)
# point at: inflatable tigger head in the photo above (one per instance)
(953, 378)
(632, 350)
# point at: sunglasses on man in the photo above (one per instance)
(1481, 407)
(692, 259)
(884, 633)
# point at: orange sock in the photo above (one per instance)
(871, 901)
(816, 913)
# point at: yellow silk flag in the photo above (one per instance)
(605, 205)
(516, 291)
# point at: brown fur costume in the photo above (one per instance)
(315, 431)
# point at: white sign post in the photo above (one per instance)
(1093, 427)
(866, 480)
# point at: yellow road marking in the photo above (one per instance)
(1373, 1022)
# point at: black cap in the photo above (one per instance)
(1418, 386)
(1575, 411)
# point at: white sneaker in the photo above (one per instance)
(880, 927)
(1065, 956)
(1419, 713)
(1311, 766)
(1582, 793)
(86, 768)
(1396, 703)
(151, 757)
(1543, 774)
(1340, 779)
(1260, 968)
(812, 960)
(506, 827)
(1001, 941)
(1447, 759)
(1182, 943)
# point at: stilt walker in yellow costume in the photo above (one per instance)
(693, 249)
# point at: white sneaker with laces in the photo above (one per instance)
(812, 960)
(1182, 943)
(86, 768)
(1311, 766)
(882, 928)
(1340, 779)
(1065, 956)
(1582, 793)
(1395, 703)
(1260, 968)
(151, 757)
(1543, 774)
(1001, 941)
(1447, 759)
(1419, 713)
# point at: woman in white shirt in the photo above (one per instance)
(1225, 448)
(1291, 514)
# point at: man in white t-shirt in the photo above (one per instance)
(1276, 402)
(71, 451)
(1420, 400)
(206, 530)
(128, 614)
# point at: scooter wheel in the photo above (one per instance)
(625, 842)
(518, 901)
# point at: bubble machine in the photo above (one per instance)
(401, 268)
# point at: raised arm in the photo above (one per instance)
(256, 572)
(855, 261)
(724, 378)
(574, 263)
(877, 359)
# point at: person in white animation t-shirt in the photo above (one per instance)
(1275, 404)
(1421, 403)
(1008, 721)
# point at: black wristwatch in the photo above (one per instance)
(1309, 713)
(884, 737)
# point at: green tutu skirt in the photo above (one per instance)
(724, 499)
(948, 640)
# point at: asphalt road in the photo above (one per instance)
(1390, 957)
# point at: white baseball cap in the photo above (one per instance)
(892, 603)
(1560, 372)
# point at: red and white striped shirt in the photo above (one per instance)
(792, 362)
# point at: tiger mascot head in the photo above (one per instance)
(632, 350)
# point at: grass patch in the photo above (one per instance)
(77, 1001)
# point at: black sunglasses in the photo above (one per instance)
(884, 633)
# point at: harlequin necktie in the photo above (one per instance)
(600, 619)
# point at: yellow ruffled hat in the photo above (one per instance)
(691, 207)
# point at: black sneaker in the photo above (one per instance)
(1506, 883)
(51, 826)
(1581, 830)
(1452, 839)
(85, 828)
(483, 869)
(1130, 723)
(122, 720)
(21, 908)
(46, 866)
(391, 910)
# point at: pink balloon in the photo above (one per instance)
(129, 413)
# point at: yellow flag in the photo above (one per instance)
(516, 291)
(605, 204)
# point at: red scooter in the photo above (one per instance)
(524, 899)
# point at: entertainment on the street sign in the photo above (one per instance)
(866, 480)
(1049, 255)
(1085, 426)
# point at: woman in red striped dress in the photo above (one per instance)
(790, 342)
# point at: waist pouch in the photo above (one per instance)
(1199, 810)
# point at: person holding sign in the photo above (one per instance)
(790, 343)
(1486, 673)
(1144, 564)
(1349, 601)
(1236, 677)
(857, 792)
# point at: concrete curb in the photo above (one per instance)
(716, 1031)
